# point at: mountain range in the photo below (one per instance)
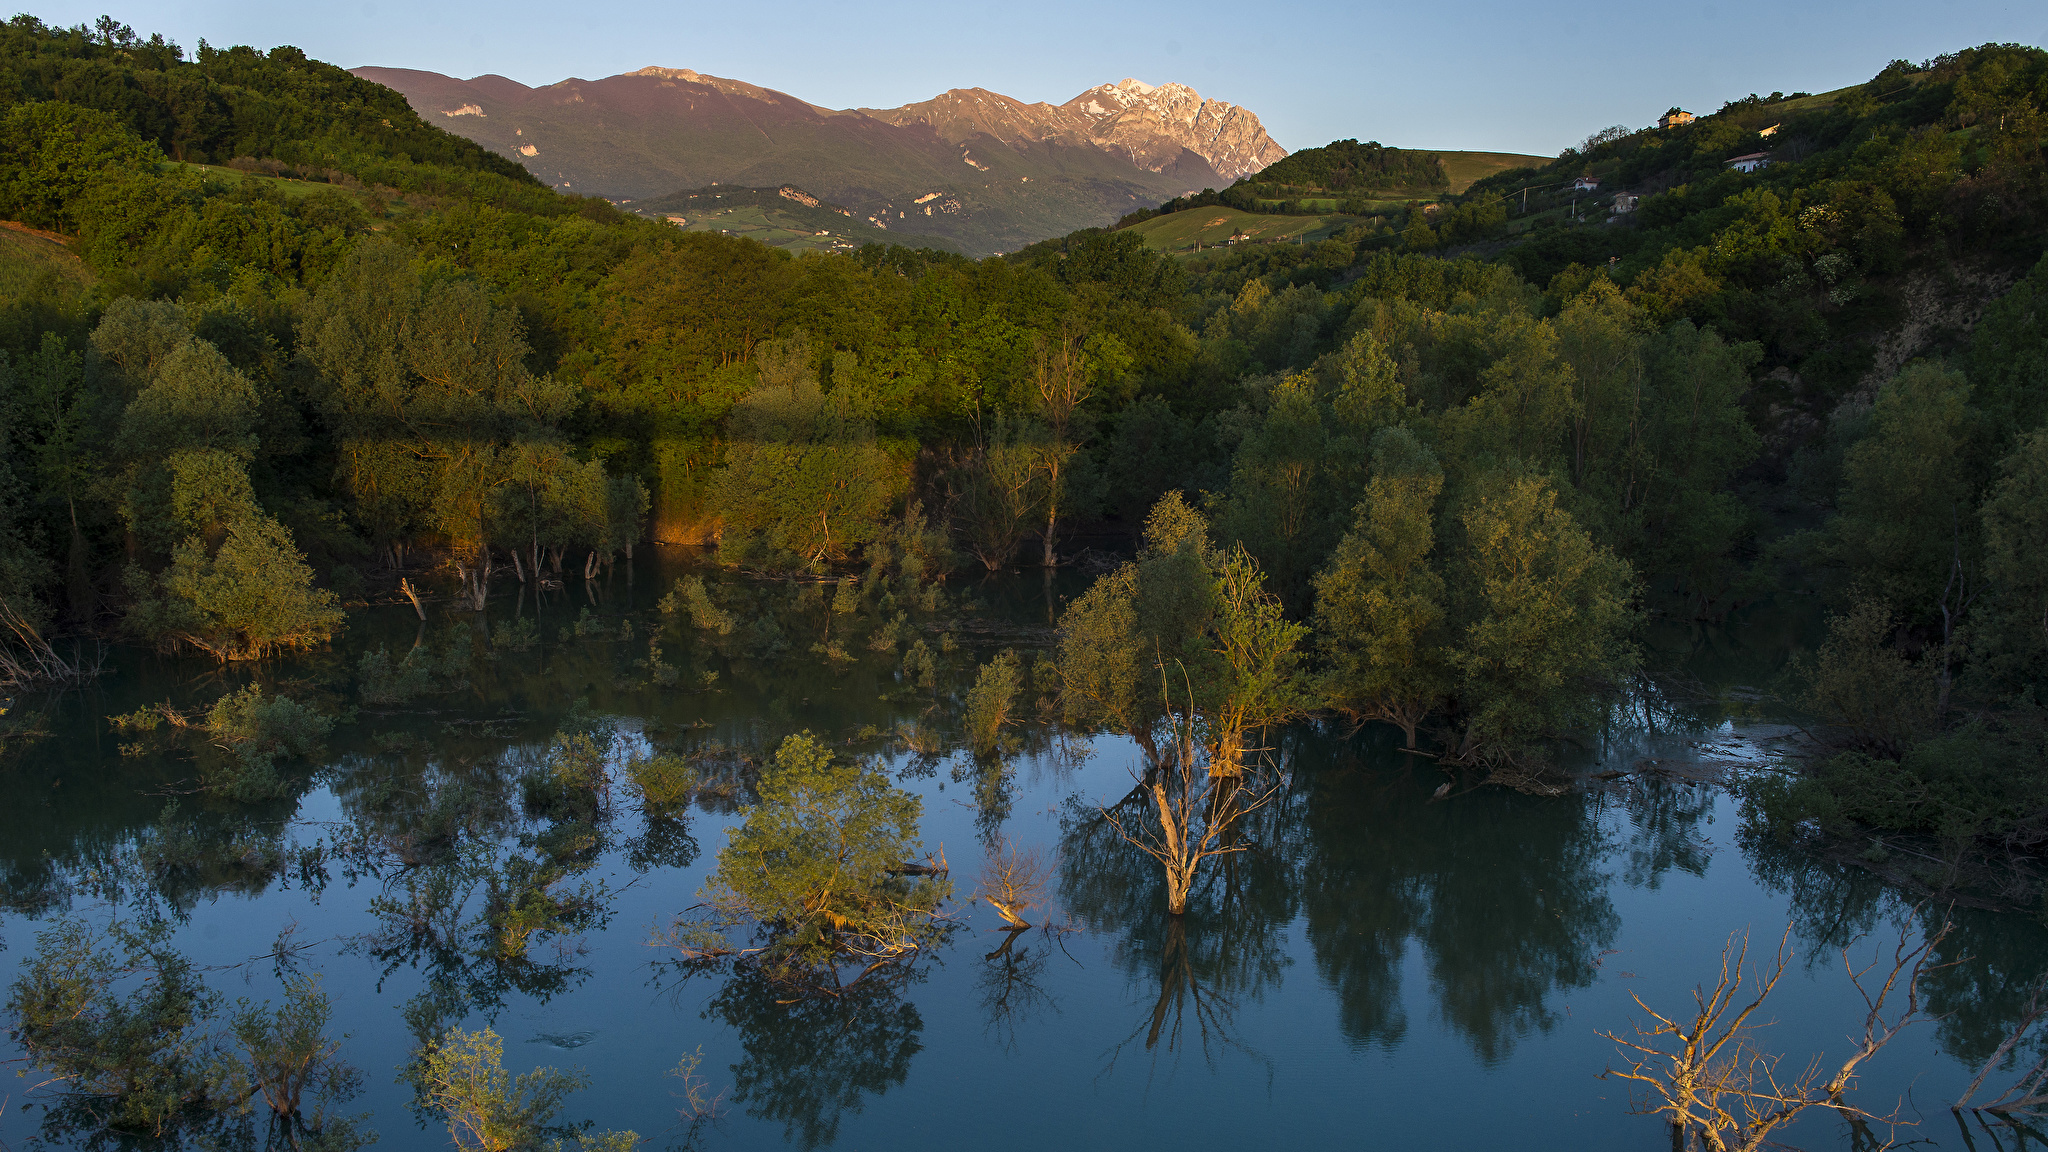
(986, 172)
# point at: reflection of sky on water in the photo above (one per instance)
(1382, 970)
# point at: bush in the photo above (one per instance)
(383, 682)
(989, 703)
(250, 598)
(462, 1077)
(665, 781)
(514, 635)
(571, 783)
(259, 729)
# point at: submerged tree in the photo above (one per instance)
(821, 867)
(1380, 611)
(1543, 617)
(245, 599)
(1205, 615)
(1705, 1075)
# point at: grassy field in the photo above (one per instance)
(26, 258)
(1181, 231)
(1467, 168)
(775, 229)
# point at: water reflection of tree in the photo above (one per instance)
(1503, 893)
(813, 1059)
(1998, 958)
(1205, 965)
(1665, 817)
(1009, 984)
(451, 854)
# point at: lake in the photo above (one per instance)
(1382, 968)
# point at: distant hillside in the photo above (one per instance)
(987, 173)
(785, 217)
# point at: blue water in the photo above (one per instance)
(1380, 970)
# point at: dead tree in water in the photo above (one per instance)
(1013, 882)
(1197, 809)
(1719, 1092)
(27, 656)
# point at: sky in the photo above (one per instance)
(1482, 74)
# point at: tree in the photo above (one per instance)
(1861, 682)
(1698, 436)
(1904, 527)
(819, 864)
(2011, 638)
(1291, 482)
(1380, 611)
(1542, 618)
(462, 1076)
(425, 387)
(52, 151)
(59, 412)
(249, 598)
(1002, 490)
(1065, 374)
(1186, 608)
(1197, 812)
(989, 702)
(1709, 1080)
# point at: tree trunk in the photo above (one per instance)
(77, 581)
(518, 569)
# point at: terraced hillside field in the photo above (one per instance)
(1468, 168)
(1210, 227)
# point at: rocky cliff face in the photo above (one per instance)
(1148, 126)
(1151, 125)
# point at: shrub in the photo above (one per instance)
(259, 729)
(665, 781)
(571, 782)
(514, 635)
(462, 1077)
(989, 702)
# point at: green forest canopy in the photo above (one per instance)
(258, 404)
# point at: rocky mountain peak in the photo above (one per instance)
(1151, 124)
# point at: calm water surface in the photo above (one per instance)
(1384, 971)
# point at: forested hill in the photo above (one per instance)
(1454, 455)
(222, 104)
(1347, 165)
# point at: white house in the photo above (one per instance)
(1751, 162)
(1586, 184)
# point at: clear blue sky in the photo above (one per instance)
(1481, 74)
